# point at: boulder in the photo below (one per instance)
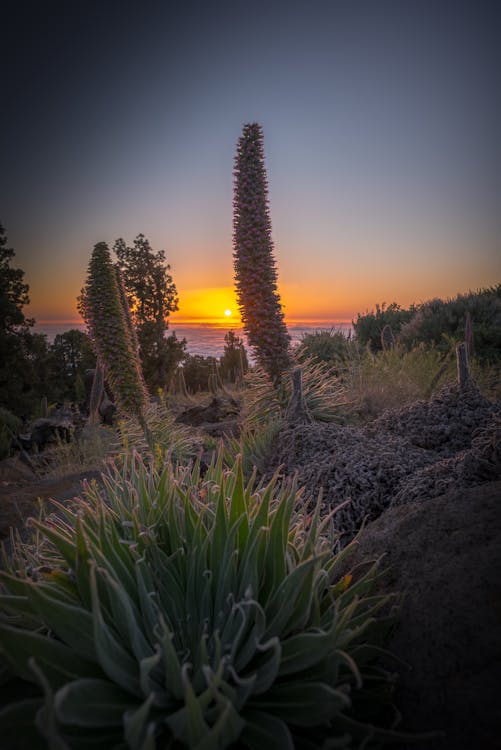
(444, 555)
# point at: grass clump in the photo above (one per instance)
(184, 612)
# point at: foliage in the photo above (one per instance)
(253, 445)
(438, 321)
(88, 450)
(255, 269)
(392, 378)
(14, 292)
(233, 364)
(324, 394)
(152, 296)
(368, 327)
(197, 370)
(110, 331)
(186, 612)
(22, 353)
(167, 439)
(331, 347)
(70, 356)
(10, 426)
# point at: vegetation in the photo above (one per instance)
(188, 612)
(369, 326)
(255, 269)
(21, 351)
(197, 371)
(70, 357)
(108, 321)
(152, 296)
(437, 322)
(233, 364)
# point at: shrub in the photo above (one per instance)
(438, 322)
(331, 347)
(10, 426)
(324, 395)
(390, 379)
(369, 326)
(180, 612)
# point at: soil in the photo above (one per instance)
(21, 490)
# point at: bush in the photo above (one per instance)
(438, 322)
(324, 394)
(393, 378)
(10, 426)
(180, 612)
(331, 347)
(369, 327)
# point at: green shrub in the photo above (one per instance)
(331, 347)
(395, 377)
(167, 439)
(10, 426)
(369, 326)
(180, 612)
(437, 322)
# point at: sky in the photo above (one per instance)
(381, 124)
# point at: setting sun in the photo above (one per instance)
(227, 313)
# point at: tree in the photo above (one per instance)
(152, 296)
(234, 362)
(255, 268)
(23, 354)
(197, 370)
(14, 293)
(71, 355)
(101, 305)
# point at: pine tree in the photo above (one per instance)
(255, 267)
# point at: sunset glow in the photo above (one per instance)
(381, 166)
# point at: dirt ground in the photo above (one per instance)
(21, 489)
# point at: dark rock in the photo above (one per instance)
(219, 410)
(45, 431)
(107, 411)
(444, 555)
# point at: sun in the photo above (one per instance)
(227, 313)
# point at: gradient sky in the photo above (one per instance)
(381, 122)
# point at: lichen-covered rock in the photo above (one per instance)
(406, 455)
(445, 423)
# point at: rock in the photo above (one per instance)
(406, 455)
(45, 431)
(444, 555)
(219, 410)
(107, 411)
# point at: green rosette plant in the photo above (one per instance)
(103, 306)
(170, 610)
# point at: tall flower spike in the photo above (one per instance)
(255, 267)
(111, 332)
